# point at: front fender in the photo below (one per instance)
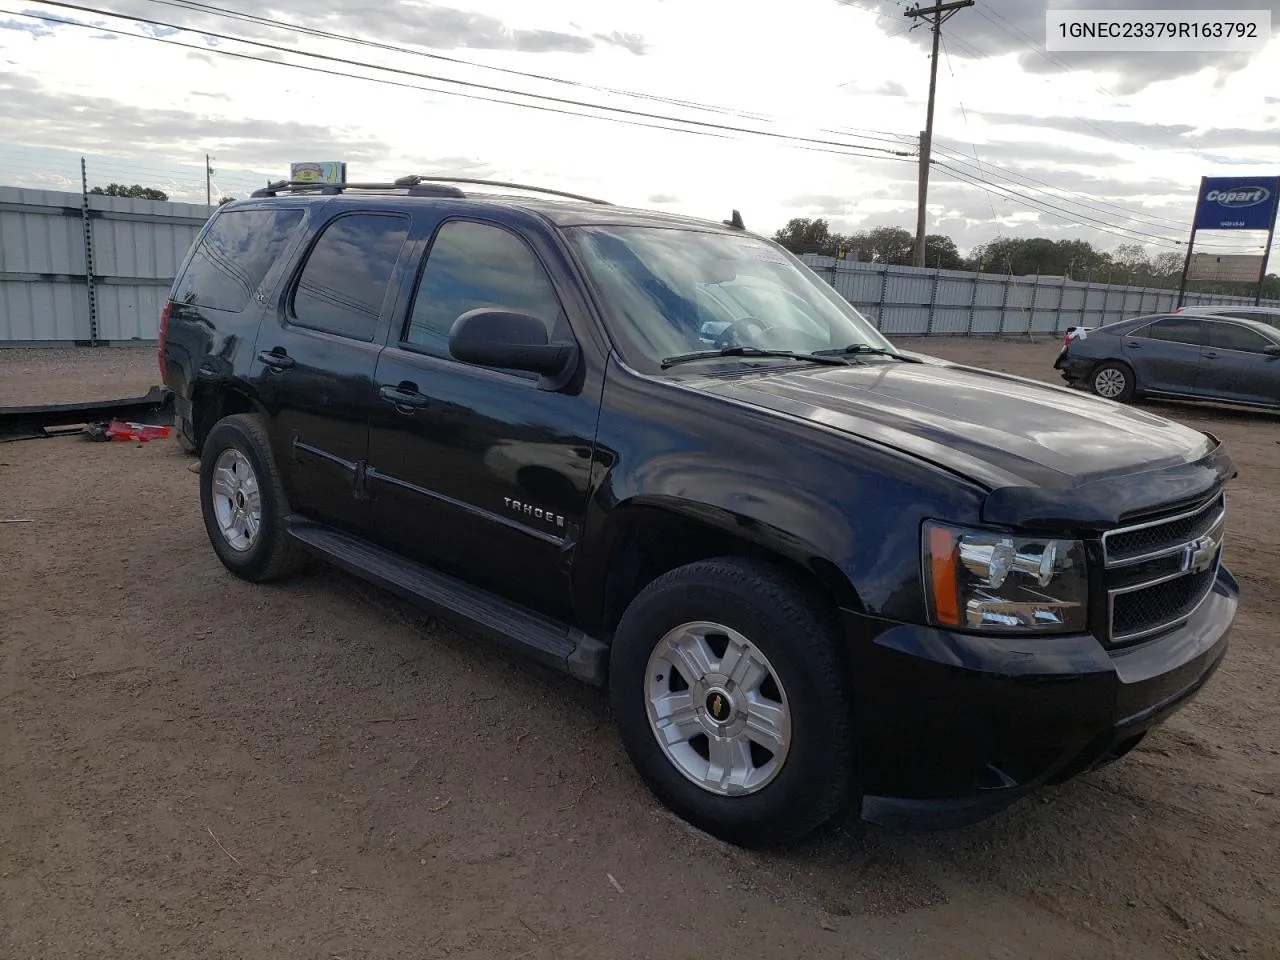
(844, 508)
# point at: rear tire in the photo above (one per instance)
(1113, 381)
(243, 501)
(772, 759)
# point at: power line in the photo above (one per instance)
(212, 10)
(1125, 233)
(564, 101)
(995, 219)
(1064, 195)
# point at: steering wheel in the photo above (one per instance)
(729, 336)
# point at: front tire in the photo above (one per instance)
(733, 700)
(243, 501)
(1113, 381)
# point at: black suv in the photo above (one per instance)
(661, 454)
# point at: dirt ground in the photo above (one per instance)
(191, 766)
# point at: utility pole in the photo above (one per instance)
(937, 15)
(208, 182)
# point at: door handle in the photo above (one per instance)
(276, 360)
(1132, 346)
(405, 396)
(1210, 356)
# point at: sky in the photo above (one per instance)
(803, 109)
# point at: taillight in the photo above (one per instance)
(160, 340)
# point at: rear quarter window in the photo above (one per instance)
(234, 256)
(347, 274)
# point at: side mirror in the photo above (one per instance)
(511, 340)
(1272, 350)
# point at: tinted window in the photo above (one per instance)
(345, 279)
(1177, 330)
(1270, 319)
(474, 265)
(1232, 336)
(234, 256)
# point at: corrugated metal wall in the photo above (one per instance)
(137, 248)
(907, 301)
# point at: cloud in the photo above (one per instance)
(1141, 134)
(632, 42)
(1000, 27)
(888, 88)
(404, 24)
(663, 198)
(77, 122)
(824, 204)
(34, 27)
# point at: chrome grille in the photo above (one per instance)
(1159, 572)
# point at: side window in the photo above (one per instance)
(234, 257)
(345, 278)
(1177, 330)
(1270, 319)
(474, 265)
(1232, 336)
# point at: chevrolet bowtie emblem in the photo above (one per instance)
(1200, 554)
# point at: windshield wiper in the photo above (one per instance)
(827, 358)
(864, 348)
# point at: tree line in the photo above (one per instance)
(137, 191)
(1127, 264)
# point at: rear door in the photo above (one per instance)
(1236, 365)
(315, 360)
(1165, 354)
(476, 471)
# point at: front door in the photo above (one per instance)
(1237, 367)
(475, 471)
(1166, 354)
(316, 359)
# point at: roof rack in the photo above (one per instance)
(414, 184)
(415, 179)
(331, 189)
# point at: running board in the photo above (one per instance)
(548, 641)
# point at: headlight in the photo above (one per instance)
(999, 583)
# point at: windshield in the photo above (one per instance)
(672, 292)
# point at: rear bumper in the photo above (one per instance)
(1074, 370)
(954, 728)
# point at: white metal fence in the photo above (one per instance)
(133, 247)
(907, 301)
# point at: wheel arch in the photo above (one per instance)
(213, 402)
(646, 537)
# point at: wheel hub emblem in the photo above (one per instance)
(718, 706)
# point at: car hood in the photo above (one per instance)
(1047, 454)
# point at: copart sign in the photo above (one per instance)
(1237, 203)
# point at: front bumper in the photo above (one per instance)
(955, 727)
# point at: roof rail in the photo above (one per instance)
(414, 180)
(330, 189)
